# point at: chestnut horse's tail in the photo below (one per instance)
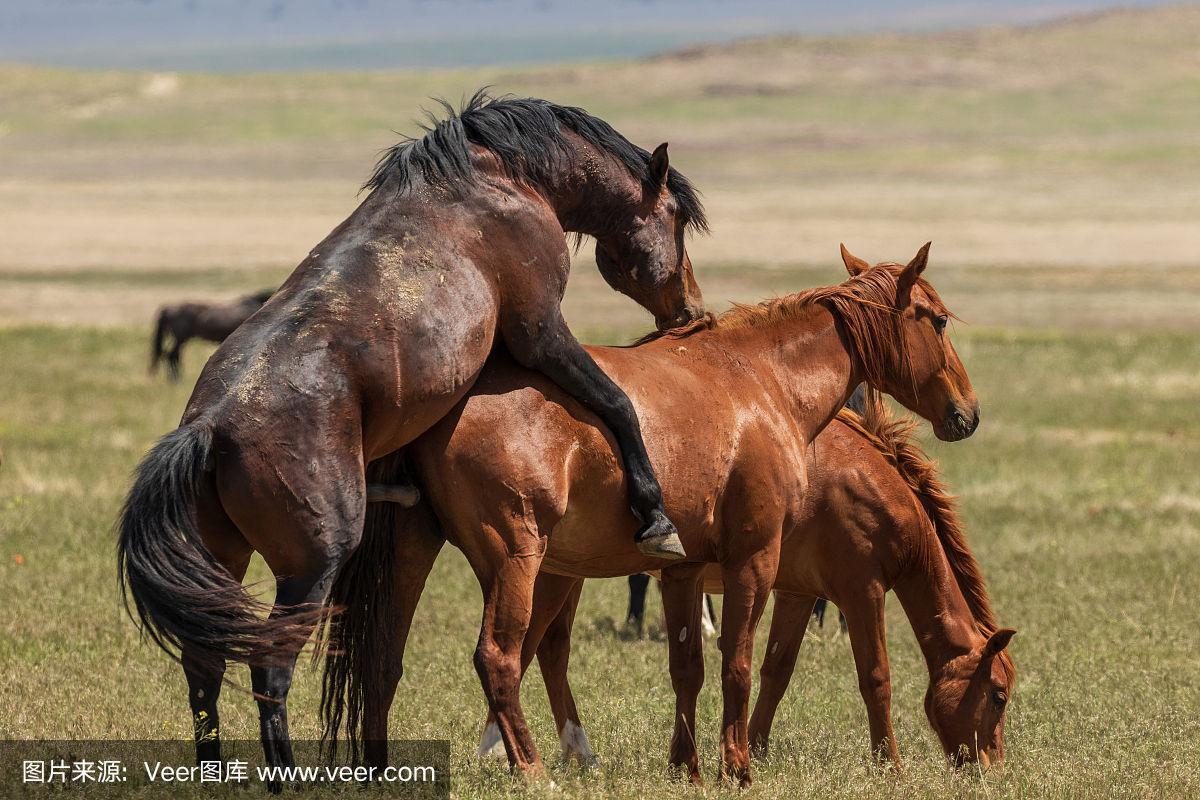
(360, 647)
(160, 337)
(183, 597)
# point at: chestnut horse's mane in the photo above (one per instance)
(864, 305)
(893, 438)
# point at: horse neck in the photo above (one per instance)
(934, 603)
(590, 189)
(811, 362)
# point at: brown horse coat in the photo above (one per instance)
(524, 479)
(875, 518)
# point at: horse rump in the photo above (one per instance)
(183, 598)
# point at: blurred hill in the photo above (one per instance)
(256, 35)
(1073, 143)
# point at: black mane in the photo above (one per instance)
(526, 135)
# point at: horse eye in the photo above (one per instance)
(999, 699)
(940, 322)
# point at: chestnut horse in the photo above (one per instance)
(875, 518)
(377, 334)
(523, 479)
(212, 322)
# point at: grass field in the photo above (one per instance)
(1055, 168)
(1080, 490)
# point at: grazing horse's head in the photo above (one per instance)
(642, 254)
(967, 701)
(914, 361)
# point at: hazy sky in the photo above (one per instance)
(356, 34)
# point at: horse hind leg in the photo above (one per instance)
(548, 638)
(204, 674)
(508, 590)
(416, 545)
(174, 358)
(305, 523)
(553, 655)
(788, 625)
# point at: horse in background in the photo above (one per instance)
(635, 617)
(212, 322)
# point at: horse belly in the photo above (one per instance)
(594, 538)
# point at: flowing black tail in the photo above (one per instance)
(182, 595)
(364, 642)
(160, 336)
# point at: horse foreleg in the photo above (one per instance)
(550, 348)
(747, 587)
(681, 592)
(788, 625)
(508, 593)
(868, 640)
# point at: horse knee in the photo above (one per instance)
(736, 679)
(497, 669)
(875, 684)
(688, 676)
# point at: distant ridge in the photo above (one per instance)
(330, 35)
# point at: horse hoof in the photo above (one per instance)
(665, 545)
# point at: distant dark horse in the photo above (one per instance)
(212, 322)
(375, 337)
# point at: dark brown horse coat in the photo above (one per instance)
(374, 338)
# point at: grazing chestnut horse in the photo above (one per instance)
(377, 334)
(876, 517)
(523, 479)
(212, 322)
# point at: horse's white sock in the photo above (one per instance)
(574, 742)
(491, 743)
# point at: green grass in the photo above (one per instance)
(1083, 504)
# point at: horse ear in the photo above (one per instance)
(659, 165)
(854, 264)
(998, 641)
(908, 277)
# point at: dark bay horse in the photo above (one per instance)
(374, 337)
(523, 479)
(876, 517)
(212, 322)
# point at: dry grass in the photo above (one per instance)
(1064, 145)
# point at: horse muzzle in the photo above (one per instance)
(958, 423)
(690, 314)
